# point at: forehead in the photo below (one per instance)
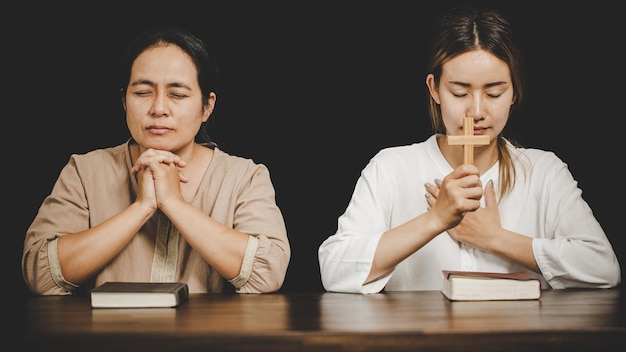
(164, 61)
(476, 65)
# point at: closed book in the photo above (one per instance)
(489, 286)
(139, 294)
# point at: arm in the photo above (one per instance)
(574, 251)
(459, 195)
(387, 220)
(482, 229)
(61, 248)
(253, 253)
(554, 232)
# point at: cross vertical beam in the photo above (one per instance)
(468, 140)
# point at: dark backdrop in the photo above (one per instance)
(311, 89)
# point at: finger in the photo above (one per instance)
(135, 169)
(430, 200)
(432, 192)
(432, 189)
(155, 160)
(163, 156)
(182, 177)
(490, 195)
(471, 205)
(474, 193)
(173, 159)
(173, 168)
(464, 170)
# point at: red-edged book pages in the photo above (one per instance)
(489, 286)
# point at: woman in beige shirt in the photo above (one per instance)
(164, 206)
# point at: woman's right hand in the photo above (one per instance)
(145, 192)
(458, 193)
(150, 161)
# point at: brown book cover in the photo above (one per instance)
(461, 285)
(139, 294)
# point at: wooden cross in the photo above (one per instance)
(468, 140)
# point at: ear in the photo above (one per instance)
(123, 96)
(210, 105)
(433, 89)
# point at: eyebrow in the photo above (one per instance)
(152, 84)
(488, 85)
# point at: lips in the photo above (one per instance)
(479, 130)
(158, 129)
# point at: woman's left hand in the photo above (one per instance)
(478, 227)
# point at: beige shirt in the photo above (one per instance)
(93, 187)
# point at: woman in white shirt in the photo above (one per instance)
(422, 208)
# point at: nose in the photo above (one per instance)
(159, 105)
(476, 109)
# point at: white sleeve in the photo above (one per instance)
(346, 257)
(575, 251)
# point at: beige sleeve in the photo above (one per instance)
(268, 251)
(246, 265)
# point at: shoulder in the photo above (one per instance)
(233, 164)
(232, 172)
(536, 157)
(538, 164)
(114, 152)
(105, 160)
(404, 153)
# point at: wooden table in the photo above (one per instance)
(577, 320)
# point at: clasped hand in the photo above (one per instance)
(158, 176)
(456, 201)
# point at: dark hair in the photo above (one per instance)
(200, 53)
(467, 28)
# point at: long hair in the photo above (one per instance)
(465, 29)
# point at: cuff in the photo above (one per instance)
(246, 265)
(55, 267)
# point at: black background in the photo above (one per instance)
(311, 89)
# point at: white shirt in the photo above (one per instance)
(546, 204)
